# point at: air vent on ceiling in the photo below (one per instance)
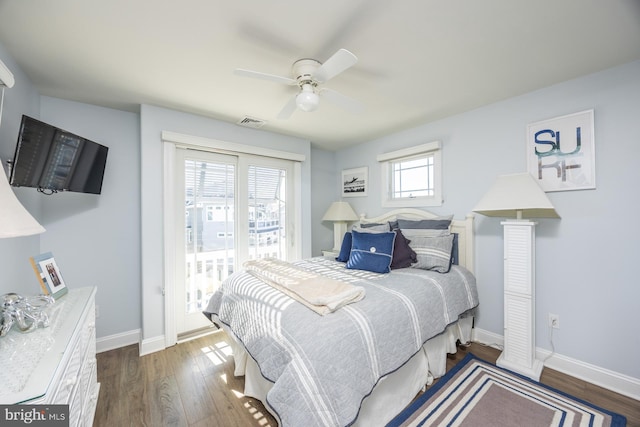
(251, 122)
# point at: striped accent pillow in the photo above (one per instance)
(433, 253)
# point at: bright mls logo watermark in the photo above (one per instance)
(34, 415)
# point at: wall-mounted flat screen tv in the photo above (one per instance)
(51, 159)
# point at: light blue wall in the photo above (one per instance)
(324, 185)
(586, 265)
(154, 120)
(96, 238)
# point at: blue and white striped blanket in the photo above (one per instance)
(322, 367)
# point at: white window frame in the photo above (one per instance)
(429, 149)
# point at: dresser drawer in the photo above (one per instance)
(86, 386)
(91, 397)
(70, 378)
(72, 372)
(90, 409)
(75, 407)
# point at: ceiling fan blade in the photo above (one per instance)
(264, 76)
(342, 101)
(339, 61)
(288, 109)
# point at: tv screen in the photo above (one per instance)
(52, 159)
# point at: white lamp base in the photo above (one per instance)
(519, 354)
(534, 371)
(339, 228)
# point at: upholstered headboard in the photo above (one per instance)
(464, 229)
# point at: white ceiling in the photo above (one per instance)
(419, 60)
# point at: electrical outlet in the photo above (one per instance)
(554, 321)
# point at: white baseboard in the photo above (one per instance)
(614, 381)
(152, 345)
(487, 338)
(122, 339)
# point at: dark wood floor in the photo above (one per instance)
(192, 384)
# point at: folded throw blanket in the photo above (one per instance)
(321, 294)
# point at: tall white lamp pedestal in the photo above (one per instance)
(519, 300)
(534, 371)
(339, 229)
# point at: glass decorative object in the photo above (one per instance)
(26, 312)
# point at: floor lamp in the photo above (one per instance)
(517, 196)
(340, 213)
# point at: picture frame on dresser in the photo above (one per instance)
(48, 274)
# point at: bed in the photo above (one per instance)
(363, 357)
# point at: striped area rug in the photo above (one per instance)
(476, 393)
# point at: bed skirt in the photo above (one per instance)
(392, 393)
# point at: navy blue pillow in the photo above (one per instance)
(371, 251)
(403, 255)
(345, 249)
(454, 250)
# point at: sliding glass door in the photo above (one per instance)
(232, 208)
(205, 248)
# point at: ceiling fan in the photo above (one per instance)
(309, 75)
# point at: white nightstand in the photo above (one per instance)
(330, 253)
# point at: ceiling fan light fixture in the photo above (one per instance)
(307, 100)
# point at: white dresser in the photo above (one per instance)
(55, 365)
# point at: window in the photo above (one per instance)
(412, 176)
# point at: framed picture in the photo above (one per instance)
(48, 274)
(355, 182)
(561, 152)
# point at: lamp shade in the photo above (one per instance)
(516, 196)
(340, 211)
(14, 219)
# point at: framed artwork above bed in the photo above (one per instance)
(561, 152)
(355, 182)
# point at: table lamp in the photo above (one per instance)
(340, 213)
